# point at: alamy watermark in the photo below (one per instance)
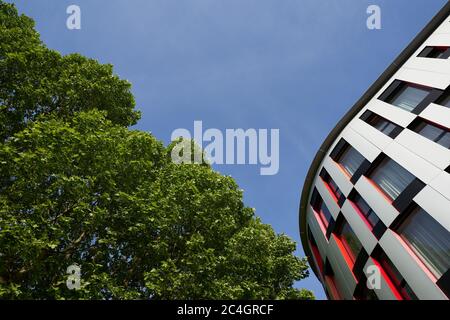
(73, 22)
(373, 275)
(374, 19)
(73, 281)
(234, 146)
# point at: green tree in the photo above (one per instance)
(35, 80)
(78, 187)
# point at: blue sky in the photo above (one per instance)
(293, 65)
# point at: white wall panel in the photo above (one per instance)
(362, 145)
(435, 204)
(442, 184)
(428, 150)
(393, 113)
(384, 210)
(437, 114)
(425, 78)
(374, 136)
(419, 167)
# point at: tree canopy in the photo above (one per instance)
(77, 186)
(35, 80)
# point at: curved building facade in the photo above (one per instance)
(375, 208)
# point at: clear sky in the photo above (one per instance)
(293, 65)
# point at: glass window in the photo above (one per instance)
(434, 52)
(321, 209)
(364, 208)
(331, 282)
(332, 185)
(428, 239)
(408, 97)
(391, 178)
(434, 133)
(315, 250)
(397, 279)
(445, 101)
(351, 160)
(381, 124)
(325, 214)
(351, 243)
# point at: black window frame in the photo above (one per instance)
(378, 228)
(404, 199)
(316, 203)
(339, 150)
(398, 85)
(419, 123)
(347, 246)
(337, 193)
(433, 52)
(394, 275)
(403, 218)
(371, 117)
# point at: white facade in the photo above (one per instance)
(425, 159)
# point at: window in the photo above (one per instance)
(331, 282)
(321, 209)
(324, 214)
(381, 124)
(350, 160)
(333, 187)
(396, 278)
(435, 52)
(445, 100)
(351, 243)
(392, 178)
(428, 239)
(407, 96)
(366, 211)
(315, 250)
(435, 133)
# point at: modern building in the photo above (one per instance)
(376, 200)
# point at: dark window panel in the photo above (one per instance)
(350, 241)
(433, 132)
(435, 52)
(391, 178)
(321, 209)
(395, 276)
(444, 283)
(337, 193)
(404, 200)
(381, 124)
(350, 160)
(409, 97)
(428, 239)
(445, 100)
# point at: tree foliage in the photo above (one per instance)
(35, 80)
(78, 187)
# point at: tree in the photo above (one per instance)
(35, 80)
(78, 187)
